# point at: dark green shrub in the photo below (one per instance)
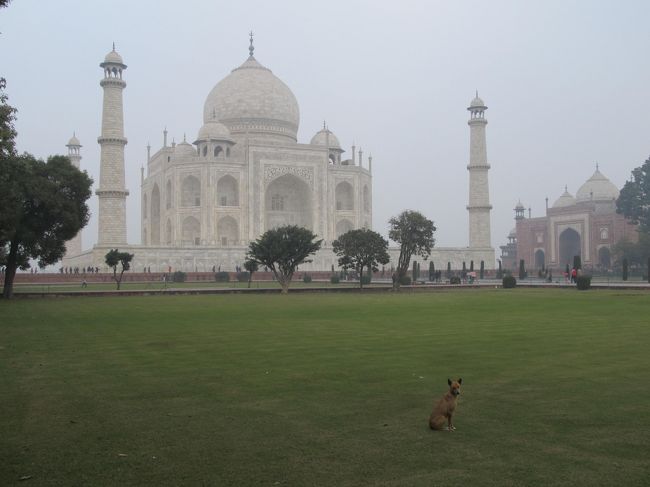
(454, 280)
(405, 281)
(625, 269)
(306, 278)
(509, 282)
(583, 282)
(366, 279)
(222, 277)
(482, 270)
(179, 276)
(243, 276)
(335, 279)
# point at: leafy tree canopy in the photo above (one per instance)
(634, 199)
(360, 249)
(43, 205)
(282, 250)
(414, 234)
(114, 258)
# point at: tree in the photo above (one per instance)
(625, 269)
(282, 250)
(414, 272)
(634, 199)
(359, 249)
(482, 270)
(500, 271)
(522, 269)
(432, 271)
(43, 205)
(414, 234)
(251, 266)
(114, 258)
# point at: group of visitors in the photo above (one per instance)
(571, 276)
(77, 270)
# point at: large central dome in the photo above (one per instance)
(251, 99)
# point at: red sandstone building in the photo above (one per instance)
(587, 226)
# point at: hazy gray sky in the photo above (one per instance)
(567, 84)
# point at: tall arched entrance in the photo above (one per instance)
(288, 202)
(570, 246)
(540, 259)
(155, 215)
(604, 257)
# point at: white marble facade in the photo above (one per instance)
(204, 200)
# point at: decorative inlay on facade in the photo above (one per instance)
(304, 173)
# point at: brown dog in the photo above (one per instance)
(445, 408)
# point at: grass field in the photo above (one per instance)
(331, 390)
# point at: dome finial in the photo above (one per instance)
(596, 166)
(113, 46)
(251, 48)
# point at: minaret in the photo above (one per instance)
(73, 246)
(112, 192)
(479, 193)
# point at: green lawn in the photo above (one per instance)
(331, 390)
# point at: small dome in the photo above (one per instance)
(477, 102)
(113, 57)
(184, 150)
(519, 206)
(213, 130)
(74, 141)
(513, 233)
(597, 188)
(326, 137)
(565, 200)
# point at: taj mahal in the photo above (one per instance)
(204, 200)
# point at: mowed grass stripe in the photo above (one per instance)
(326, 389)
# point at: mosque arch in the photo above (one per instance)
(227, 231)
(570, 246)
(540, 259)
(604, 257)
(155, 215)
(168, 194)
(344, 196)
(227, 191)
(217, 151)
(343, 226)
(366, 199)
(191, 231)
(288, 201)
(191, 191)
(168, 232)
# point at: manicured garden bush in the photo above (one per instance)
(243, 276)
(179, 276)
(583, 282)
(306, 278)
(335, 279)
(454, 280)
(509, 282)
(366, 279)
(405, 281)
(222, 277)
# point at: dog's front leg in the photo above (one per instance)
(450, 426)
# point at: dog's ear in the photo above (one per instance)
(460, 381)
(449, 381)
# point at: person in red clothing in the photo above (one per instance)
(574, 274)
